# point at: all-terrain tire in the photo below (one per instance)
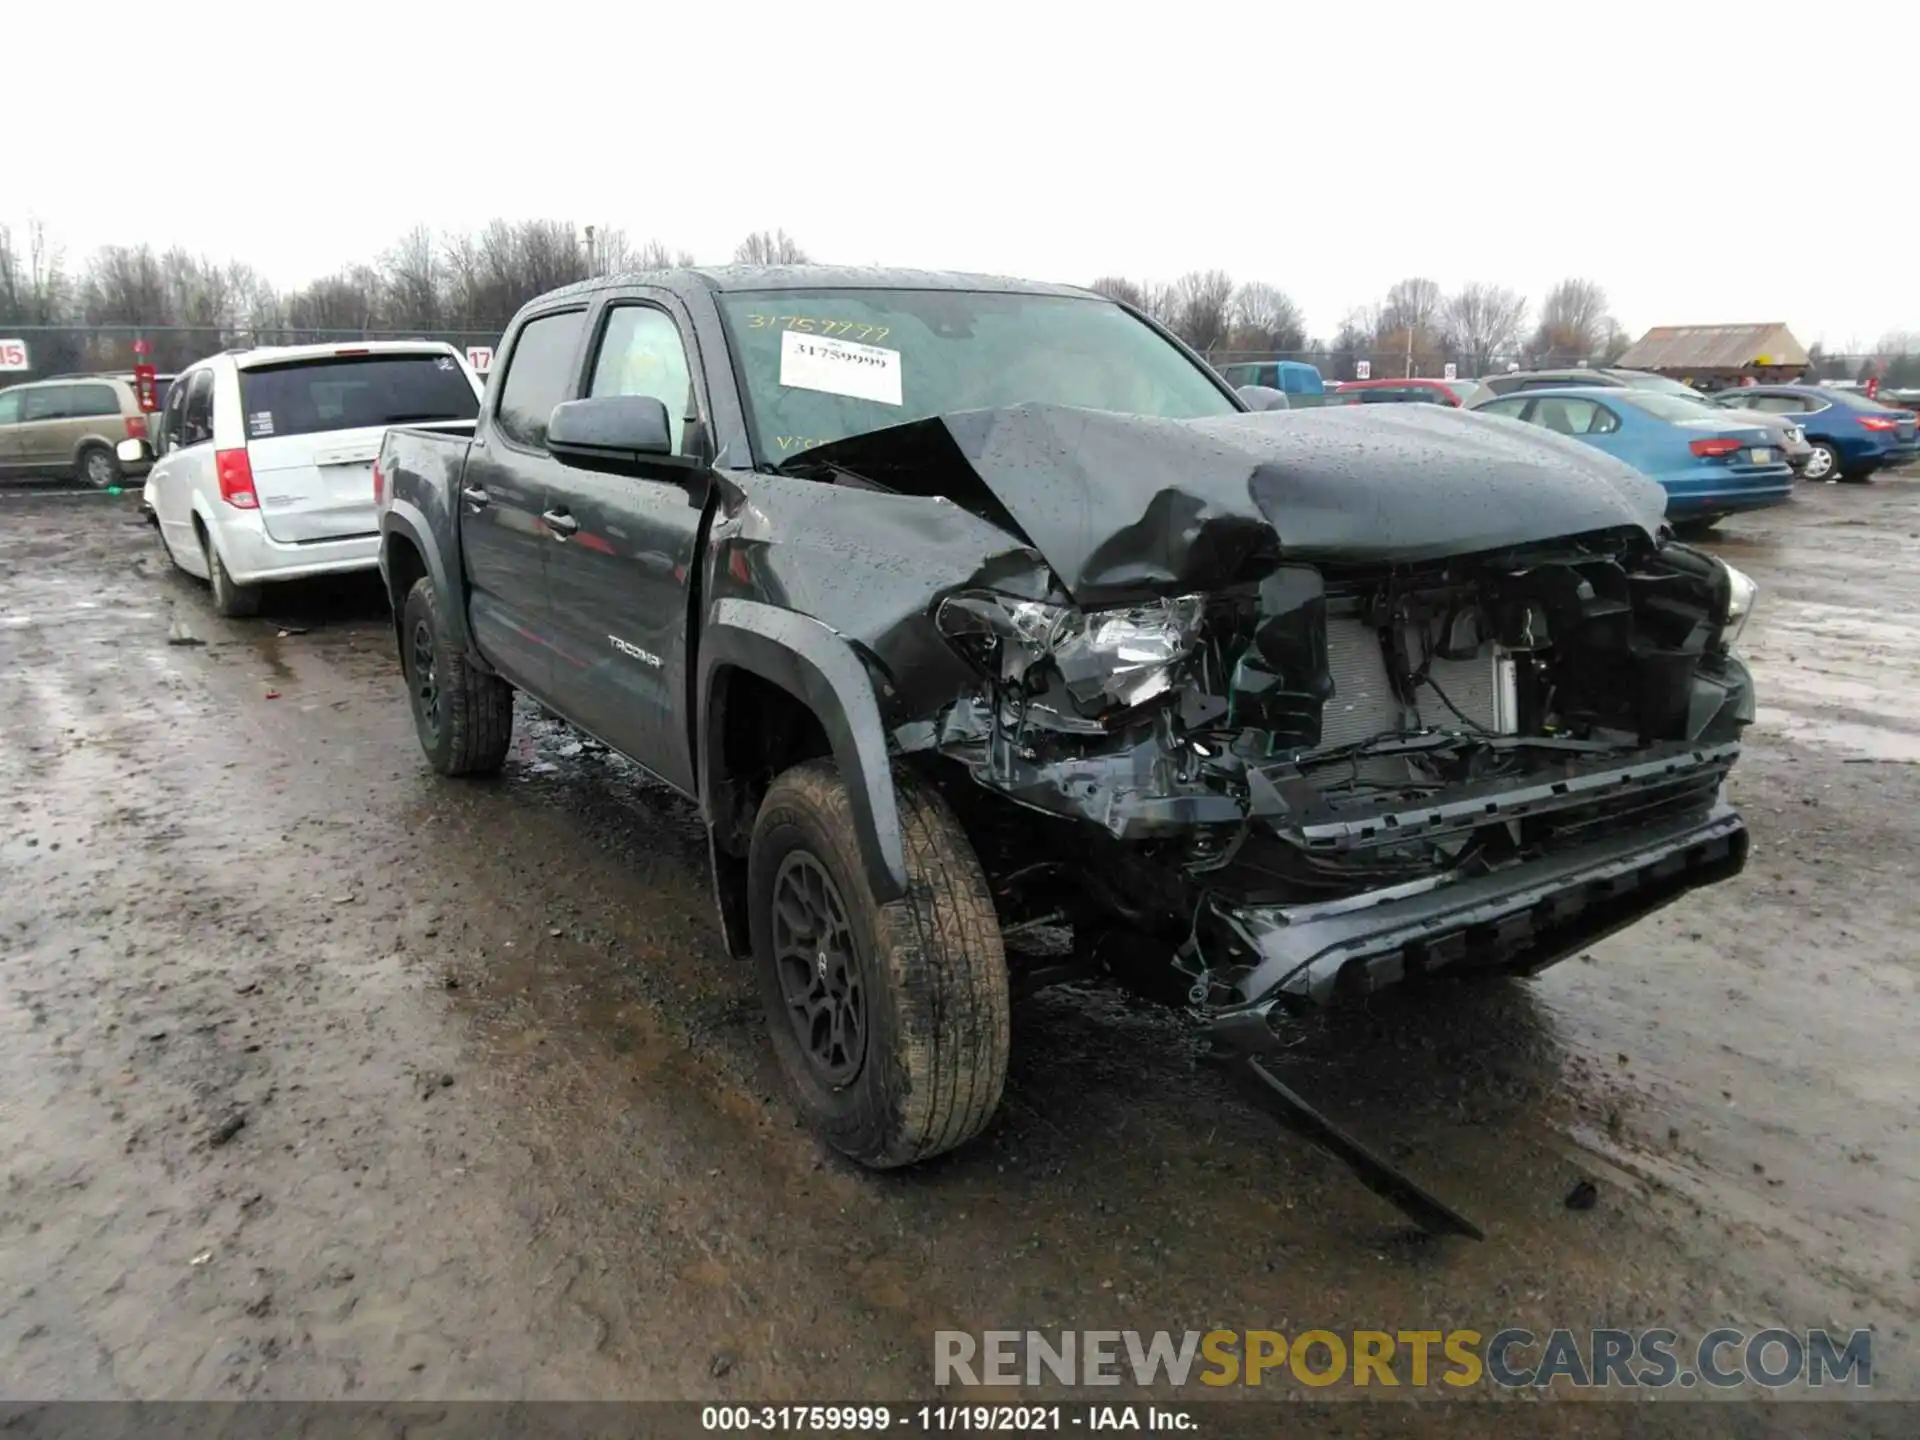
(234, 602)
(462, 715)
(932, 966)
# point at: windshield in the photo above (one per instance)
(821, 365)
(304, 397)
(1670, 407)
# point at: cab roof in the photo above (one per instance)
(724, 278)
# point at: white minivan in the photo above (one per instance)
(266, 464)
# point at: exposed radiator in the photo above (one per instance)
(1363, 704)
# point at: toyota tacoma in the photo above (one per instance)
(966, 608)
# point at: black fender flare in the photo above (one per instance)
(407, 521)
(814, 664)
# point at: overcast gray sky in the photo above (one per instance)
(1749, 163)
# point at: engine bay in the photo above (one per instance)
(1331, 730)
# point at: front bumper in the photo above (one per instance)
(1522, 919)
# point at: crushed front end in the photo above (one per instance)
(1347, 775)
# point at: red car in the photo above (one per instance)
(1457, 393)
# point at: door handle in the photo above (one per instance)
(560, 523)
(476, 497)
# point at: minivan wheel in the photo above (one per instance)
(462, 716)
(890, 1022)
(97, 466)
(234, 602)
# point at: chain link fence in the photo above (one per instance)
(85, 349)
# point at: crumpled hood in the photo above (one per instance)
(1125, 505)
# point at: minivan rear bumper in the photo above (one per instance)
(251, 555)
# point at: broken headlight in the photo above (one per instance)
(1741, 592)
(1125, 656)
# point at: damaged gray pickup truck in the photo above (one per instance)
(967, 608)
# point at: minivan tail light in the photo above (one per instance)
(1716, 449)
(136, 427)
(235, 472)
(379, 486)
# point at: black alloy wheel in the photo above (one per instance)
(813, 949)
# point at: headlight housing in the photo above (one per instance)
(1741, 593)
(1124, 657)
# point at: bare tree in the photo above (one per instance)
(415, 286)
(1483, 323)
(1413, 304)
(769, 247)
(655, 255)
(1202, 303)
(1575, 323)
(1118, 287)
(1266, 318)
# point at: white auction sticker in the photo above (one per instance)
(839, 367)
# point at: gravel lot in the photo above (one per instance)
(324, 1077)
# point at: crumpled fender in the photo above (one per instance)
(817, 666)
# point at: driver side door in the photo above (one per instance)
(621, 576)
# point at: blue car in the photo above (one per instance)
(1851, 435)
(1299, 381)
(1709, 463)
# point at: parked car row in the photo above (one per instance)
(1737, 449)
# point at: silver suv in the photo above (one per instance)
(69, 425)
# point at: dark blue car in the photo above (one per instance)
(1709, 464)
(1851, 435)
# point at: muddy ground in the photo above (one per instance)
(323, 1077)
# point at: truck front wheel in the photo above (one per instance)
(890, 1021)
(463, 716)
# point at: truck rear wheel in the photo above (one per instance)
(890, 1021)
(463, 716)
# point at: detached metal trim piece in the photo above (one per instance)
(1390, 1183)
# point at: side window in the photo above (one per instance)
(1567, 416)
(1604, 421)
(47, 402)
(641, 353)
(90, 400)
(173, 418)
(539, 376)
(1781, 404)
(1510, 407)
(10, 407)
(196, 416)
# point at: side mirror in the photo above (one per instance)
(1260, 397)
(617, 433)
(133, 452)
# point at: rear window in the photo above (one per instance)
(349, 392)
(1657, 384)
(1854, 400)
(1667, 407)
(1390, 395)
